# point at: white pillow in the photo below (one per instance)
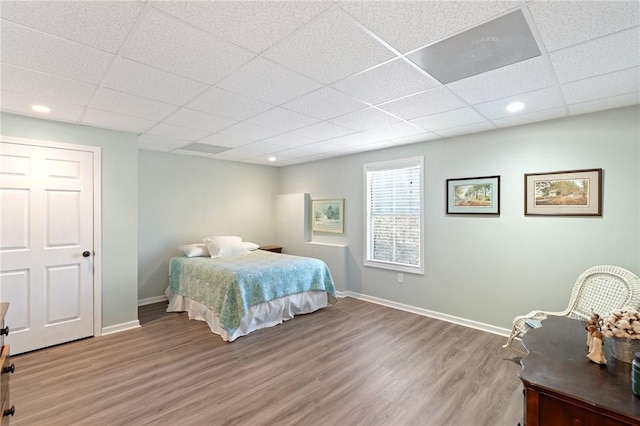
(223, 246)
(195, 250)
(251, 246)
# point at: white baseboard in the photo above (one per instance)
(431, 314)
(120, 327)
(150, 300)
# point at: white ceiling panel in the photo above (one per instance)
(409, 25)
(142, 80)
(282, 119)
(21, 104)
(534, 101)
(110, 120)
(263, 23)
(449, 119)
(165, 43)
(330, 48)
(192, 153)
(199, 120)
(565, 23)
(226, 104)
(426, 103)
(269, 82)
(177, 132)
(45, 87)
(288, 74)
(151, 147)
(53, 55)
(522, 77)
(325, 103)
(127, 104)
(100, 24)
(323, 130)
(600, 56)
(387, 82)
(608, 85)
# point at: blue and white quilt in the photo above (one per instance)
(231, 285)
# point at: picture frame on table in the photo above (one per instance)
(563, 193)
(327, 215)
(474, 195)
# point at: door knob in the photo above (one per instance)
(86, 253)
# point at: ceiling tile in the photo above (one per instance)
(386, 82)
(199, 120)
(564, 23)
(100, 24)
(548, 114)
(449, 119)
(365, 119)
(436, 100)
(124, 103)
(534, 101)
(397, 130)
(355, 139)
(330, 48)
(421, 137)
(608, 85)
(325, 103)
(232, 155)
(192, 153)
(226, 104)
(173, 46)
(177, 132)
(263, 22)
(288, 140)
(409, 25)
(323, 130)
(600, 56)
(464, 130)
(110, 120)
(250, 132)
(525, 76)
(604, 104)
(220, 139)
(44, 87)
(45, 53)
(142, 80)
(267, 81)
(282, 119)
(21, 104)
(150, 147)
(172, 143)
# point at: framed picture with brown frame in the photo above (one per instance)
(565, 193)
(477, 195)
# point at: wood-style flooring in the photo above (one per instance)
(355, 363)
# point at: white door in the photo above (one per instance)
(46, 225)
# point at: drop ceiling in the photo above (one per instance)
(306, 80)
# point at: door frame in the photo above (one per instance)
(97, 215)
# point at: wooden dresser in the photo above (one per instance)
(561, 385)
(7, 409)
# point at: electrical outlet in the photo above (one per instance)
(400, 278)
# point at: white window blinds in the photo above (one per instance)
(394, 215)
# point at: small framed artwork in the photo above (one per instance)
(478, 195)
(567, 193)
(327, 215)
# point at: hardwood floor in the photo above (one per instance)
(355, 363)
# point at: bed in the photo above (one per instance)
(239, 294)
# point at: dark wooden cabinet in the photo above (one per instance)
(561, 385)
(275, 249)
(7, 369)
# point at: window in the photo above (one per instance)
(394, 205)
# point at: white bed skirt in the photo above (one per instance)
(264, 315)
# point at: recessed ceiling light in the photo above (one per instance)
(515, 107)
(40, 108)
(272, 159)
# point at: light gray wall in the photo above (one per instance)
(489, 269)
(184, 199)
(119, 205)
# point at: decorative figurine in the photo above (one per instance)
(595, 353)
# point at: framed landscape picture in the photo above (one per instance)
(478, 195)
(327, 215)
(566, 193)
